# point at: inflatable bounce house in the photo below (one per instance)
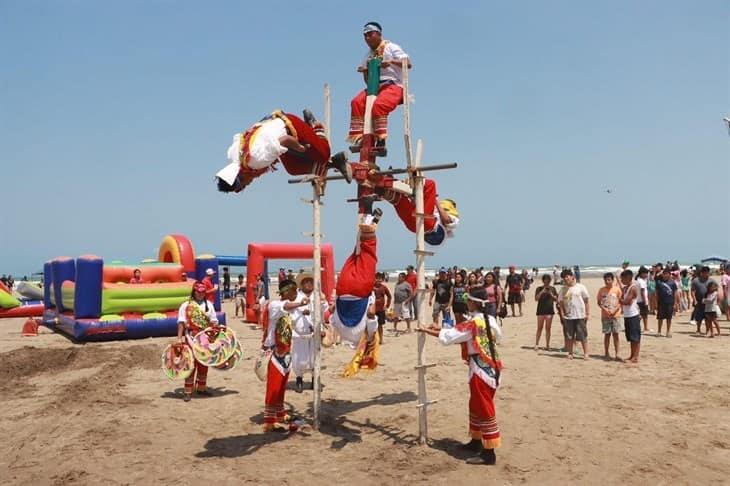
(257, 264)
(31, 305)
(91, 300)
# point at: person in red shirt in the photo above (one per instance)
(383, 299)
(136, 277)
(412, 278)
(210, 287)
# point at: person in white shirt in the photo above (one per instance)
(632, 314)
(300, 144)
(390, 91)
(195, 315)
(642, 286)
(278, 338)
(574, 311)
(303, 330)
(478, 336)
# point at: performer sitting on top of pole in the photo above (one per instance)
(354, 315)
(441, 219)
(301, 145)
(390, 91)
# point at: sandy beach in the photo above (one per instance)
(103, 413)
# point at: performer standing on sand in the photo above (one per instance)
(390, 92)
(300, 144)
(303, 330)
(194, 315)
(278, 337)
(478, 338)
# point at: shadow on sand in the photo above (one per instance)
(334, 423)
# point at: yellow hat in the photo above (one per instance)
(303, 276)
(449, 206)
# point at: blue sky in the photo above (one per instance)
(114, 116)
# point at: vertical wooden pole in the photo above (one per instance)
(407, 115)
(317, 274)
(418, 181)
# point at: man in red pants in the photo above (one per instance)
(354, 310)
(390, 92)
(278, 336)
(443, 219)
(300, 144)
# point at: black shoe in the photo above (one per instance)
(187, 397)
(339, 162)
(204, 393)
(355, 148)
(309, 117)
(377, 213)
(380, 149)
(366, 203)
(473, 445)
(300, 385)
(487, 458)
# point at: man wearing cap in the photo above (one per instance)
(210, 287)
(194, 315)
(438, 227)
(303, 330)
(390, 92)
(300, 144)
(278, 338)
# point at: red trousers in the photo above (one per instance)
(357, 276)
(197, 378)
(406, 207)
(276, 381)
(315, 158)
(389, 97)
(482, 417)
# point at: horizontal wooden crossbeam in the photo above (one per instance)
(423, 168)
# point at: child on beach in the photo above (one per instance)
(608, 298)
(632, 315)
(711, 309)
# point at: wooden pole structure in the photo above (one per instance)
(317, 190)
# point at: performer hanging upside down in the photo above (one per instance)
(478, 338)
(300, 144)
(277, 337)
(438, 227)
(354, 310)
(194, 315)
(390, 92)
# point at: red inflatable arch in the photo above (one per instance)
(258, 253)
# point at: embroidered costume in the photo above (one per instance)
(255, 151)
(278, 337)
(195, 317)
(480, 354)
(436, 230)
(390, 92)
(302, 336)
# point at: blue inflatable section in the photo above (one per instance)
(89, 330)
